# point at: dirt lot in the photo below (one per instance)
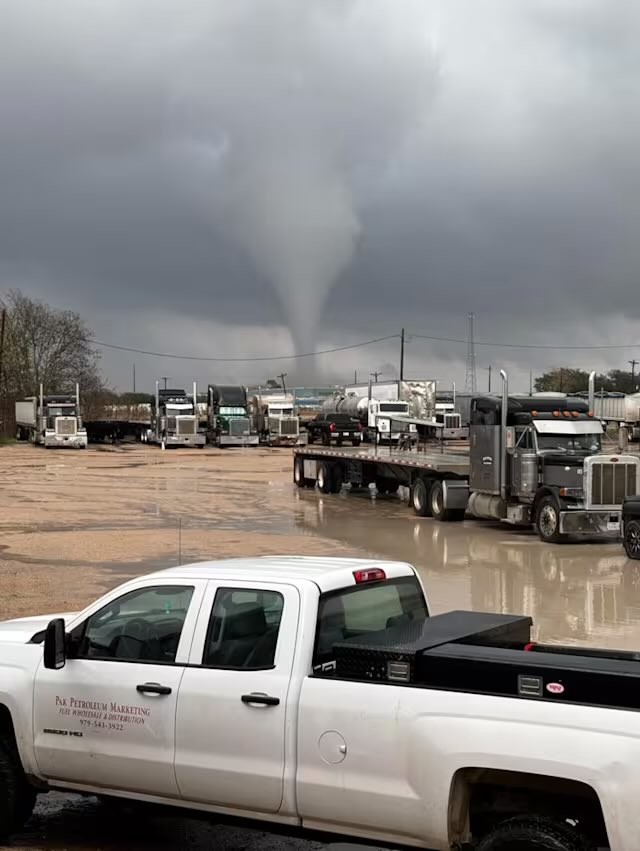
(74, 523)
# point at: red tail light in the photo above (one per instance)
(370, 574)
(332, 426)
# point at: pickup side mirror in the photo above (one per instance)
(55, 654)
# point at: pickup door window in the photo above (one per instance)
(232, 705)
(107, 719)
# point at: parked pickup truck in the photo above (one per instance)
(320, 696)
(338, 427)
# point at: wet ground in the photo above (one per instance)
(73, 524)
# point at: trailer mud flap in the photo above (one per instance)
(310, 469)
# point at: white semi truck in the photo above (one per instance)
(319, 696)
(51, 421)
(175, 419)
(275, 420)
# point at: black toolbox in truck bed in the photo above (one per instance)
(478, 653)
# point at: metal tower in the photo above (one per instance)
(470, 382)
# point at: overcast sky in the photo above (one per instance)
(229, 178)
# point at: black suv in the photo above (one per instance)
(631, 526)
(338, 427)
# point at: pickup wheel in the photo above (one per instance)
(326, 439)
(420, 501)
(17, 797)
(548, 520)
(534, 834)
(632, 538)
(438, 511)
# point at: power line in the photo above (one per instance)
(520, 345)
(237, 360)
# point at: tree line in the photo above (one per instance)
(570, 380)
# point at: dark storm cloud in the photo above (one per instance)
(174, 161)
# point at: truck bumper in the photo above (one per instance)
(284, 440)
(63, 441)
(186, 440)
(248, 440)
(583, 522)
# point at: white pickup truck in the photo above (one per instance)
(318, 695)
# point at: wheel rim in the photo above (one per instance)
(419, 496)
(436, 500)
(321, 478)
(297, 474)
(633, 539)
(548, 521)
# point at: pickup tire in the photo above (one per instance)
(17, 797)
(326, 439)
(548, 520)
(420, 497)
(632, 538)
(533, 833)
(438, 511)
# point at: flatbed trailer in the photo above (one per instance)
(387, 468)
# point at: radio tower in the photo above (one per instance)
(470, 382)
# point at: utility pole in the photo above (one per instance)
(165, 378)
(355, 376)
(282, 377)
(530, 382)
(633, 363)
(402, 341)
(488, 368)
(470, 382)
(376, 376)
(134, 378)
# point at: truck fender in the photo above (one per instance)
(16, 719)
(545, 490)
(536, 745)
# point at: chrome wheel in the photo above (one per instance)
(632, 539)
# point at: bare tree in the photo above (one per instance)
(48, 346)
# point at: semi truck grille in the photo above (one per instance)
(452, 421)
(186, 425)
(238, 426)
(284, 426)
(611, 483)
(65, 426)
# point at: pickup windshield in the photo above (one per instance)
(364, 609)
(571, 443)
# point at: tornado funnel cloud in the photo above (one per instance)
(298, 223)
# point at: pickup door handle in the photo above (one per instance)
(153, 688)
(263, 699)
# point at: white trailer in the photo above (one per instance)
(51, 421)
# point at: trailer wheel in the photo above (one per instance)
(438, 511)
(548, 520)
(298, 475)
(17, 798)
(337, 479)
(324, 478)
(534, 833)
(632, 539)
(420, 501)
